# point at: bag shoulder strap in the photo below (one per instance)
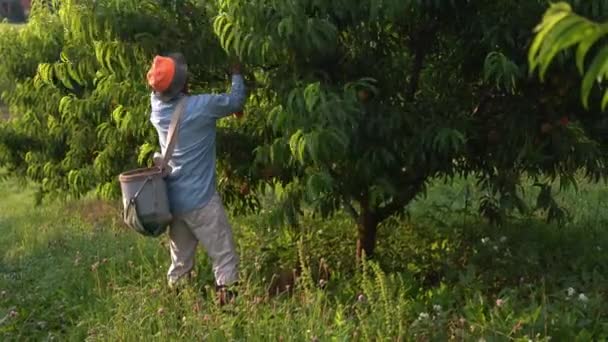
(173, 130)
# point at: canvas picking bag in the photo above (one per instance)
(144, 191)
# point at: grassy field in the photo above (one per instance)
(70, 271)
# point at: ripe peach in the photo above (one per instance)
(363, 95)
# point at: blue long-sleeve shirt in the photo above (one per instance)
(192, 181)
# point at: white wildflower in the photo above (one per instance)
(437, 307)
(503, 239)
(423, 316)
(485, 240)
(570, 292)
(582, 297)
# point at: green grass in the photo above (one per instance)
(7, 24)
(70, 271)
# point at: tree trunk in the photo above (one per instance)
(369, 218)
(367, 226)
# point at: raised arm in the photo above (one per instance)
(222, 105)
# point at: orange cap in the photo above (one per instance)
(161, 73)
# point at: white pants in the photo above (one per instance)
(209, 226)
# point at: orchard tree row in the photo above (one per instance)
(354, 105)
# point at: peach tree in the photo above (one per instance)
(78, 95)
(375, 98)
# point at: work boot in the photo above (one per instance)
(225, 295)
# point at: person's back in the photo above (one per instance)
(192, 180)
(198, 212)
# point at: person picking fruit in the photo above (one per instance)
(199, 215)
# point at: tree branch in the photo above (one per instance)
(485, 99)
(416, 71)
(350, 209)
(402, 200)
(421, 44)
(267, 67)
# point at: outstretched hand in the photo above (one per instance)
(236, 69)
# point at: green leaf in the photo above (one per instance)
(117, 114)
(605, 100)
(218, 23)
(312, 96)
(584, 46)
(294, 142)
(313, 146)
(226, 36)
(565, 34)
(554, 14)
(144, 152)
(595, 72)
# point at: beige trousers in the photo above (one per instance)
(209, 226)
